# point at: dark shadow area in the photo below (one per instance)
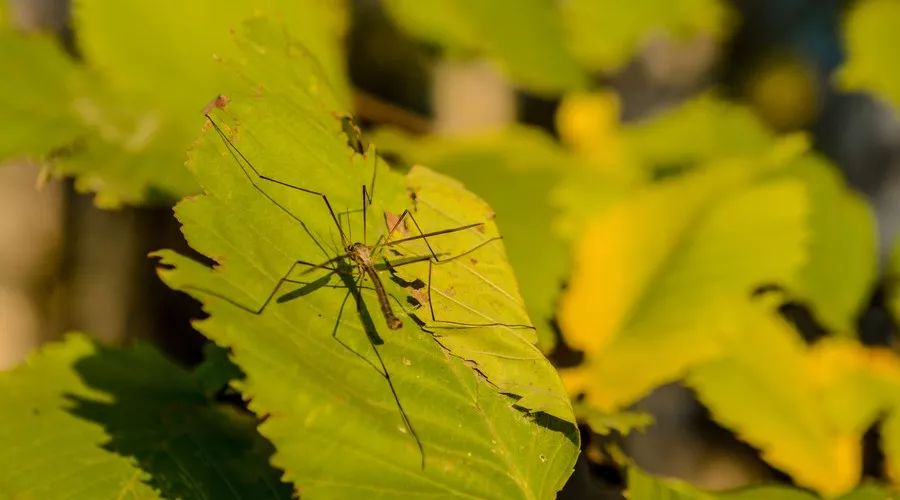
(158, 414)
(305, 288)
(569, 430)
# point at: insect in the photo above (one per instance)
(362, 255)
(357, 260)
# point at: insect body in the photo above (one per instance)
(361, 254)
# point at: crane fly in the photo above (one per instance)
(359, 253)
(356, 255)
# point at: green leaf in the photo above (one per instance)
(842, 265)
(605, 35)
(81, 421)
(349, 401)
(644, 486)
(121, 122)
(524, 37)
(661, 278)
(701, 130)
(216, 371)
(871, 40)
(184, 42)
(623, 422)
(35, 107)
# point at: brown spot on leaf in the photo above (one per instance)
(220, 101)
(393, 224)
(421, 295)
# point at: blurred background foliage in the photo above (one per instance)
(699, 200)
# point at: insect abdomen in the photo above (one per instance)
(393, 322)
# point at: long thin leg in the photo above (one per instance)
(367, 197)
(349, 226)
(383, 371)
(460, 324)
(284, 279)
(366, 201)
(355, 290)
(403, 415)
(421, 236)
(235, 152)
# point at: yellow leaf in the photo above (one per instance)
(805, 408)
(658, 278)
(762, 392)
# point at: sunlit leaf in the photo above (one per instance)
(524, 37)
(35, 104)
(659, 277)
(871, 40)
(777, 408)
(805, 409)
(605, 34)
(80, 421)
(348, 401)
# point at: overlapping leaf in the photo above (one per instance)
(120, 120)
(352, 407)
(81, 421)
(658, 277)
(872, 40)
(805, 408)
(840, 268)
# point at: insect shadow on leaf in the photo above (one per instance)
(358, 261)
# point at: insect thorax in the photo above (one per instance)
(360, 252)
